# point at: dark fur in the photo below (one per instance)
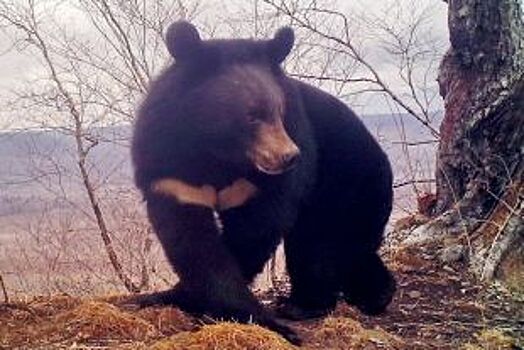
(332, 207)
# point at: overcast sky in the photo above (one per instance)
(16, 67)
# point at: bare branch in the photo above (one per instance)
(346, 42)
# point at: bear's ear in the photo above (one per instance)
(281, 44)
(182, 40)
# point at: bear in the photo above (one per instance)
(233, 156)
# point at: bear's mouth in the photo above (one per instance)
(274, 171)
(269, 171)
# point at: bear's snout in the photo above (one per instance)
(275, 164)
(290, 159)
(273, 151)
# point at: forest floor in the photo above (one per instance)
(436, 307)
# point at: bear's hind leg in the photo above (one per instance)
(311, 265)
(367, 283)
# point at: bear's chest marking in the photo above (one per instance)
(235, 195)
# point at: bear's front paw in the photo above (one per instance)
(373, 300)
(288, 310)
(285, 331)
(174, 297)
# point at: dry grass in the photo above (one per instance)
(226, 336)
(404, 260)
(168, 320)
(345, 333)
(491, 339)
(46, 306)
(96, 320)
(91, 321)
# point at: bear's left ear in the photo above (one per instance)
(183, 40)
(281, 44)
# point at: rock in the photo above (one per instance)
(423, 234)
(414, 294)
(452, 254)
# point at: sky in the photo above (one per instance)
(16, 67)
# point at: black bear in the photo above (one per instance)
(224, 130)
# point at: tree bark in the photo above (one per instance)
(480, 159)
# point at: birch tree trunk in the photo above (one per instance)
(480, 159)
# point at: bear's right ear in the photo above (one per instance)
(182, 40)
(281, 44)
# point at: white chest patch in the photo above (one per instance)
(235, 195)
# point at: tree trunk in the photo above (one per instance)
(480, 159)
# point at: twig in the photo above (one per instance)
(330, 78)
(416, 143)
(411, 182)
(489, 267)
(4, 290)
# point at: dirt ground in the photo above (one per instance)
(436, 307)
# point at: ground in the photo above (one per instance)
(436, 307)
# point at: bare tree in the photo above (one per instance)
(480, 159)
(93, 79)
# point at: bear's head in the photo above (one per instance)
(234, 97)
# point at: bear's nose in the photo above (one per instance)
(289, 160)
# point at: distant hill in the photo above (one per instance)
(36, 163)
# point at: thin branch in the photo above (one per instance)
(329, 78)
(4, 289)
(414, 143)
(304, 23)
(411, 182)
